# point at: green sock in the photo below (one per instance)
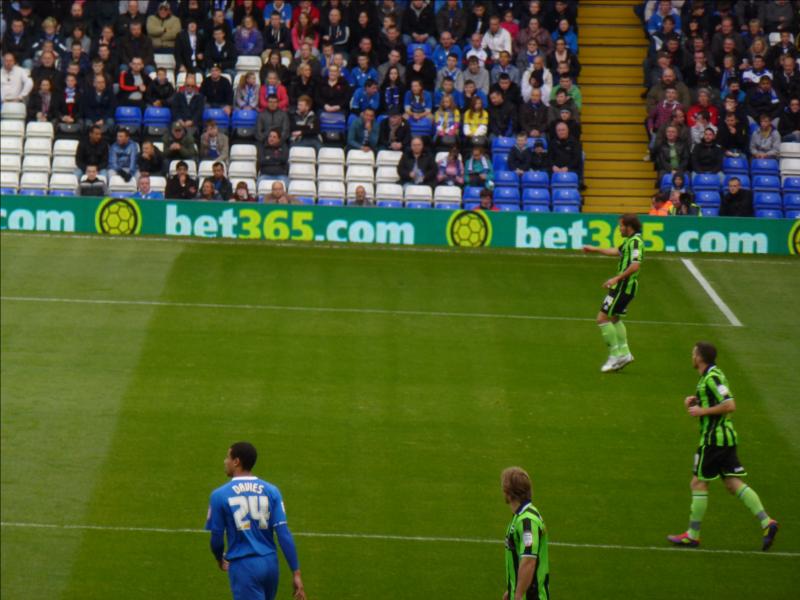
(609, 334)
(751, 500)
(622, 338)
(698, 511)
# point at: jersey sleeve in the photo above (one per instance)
(277, 515)
(215, 519)
(636, 250)
(719, 388)
(527, 538)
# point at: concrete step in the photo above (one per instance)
(594, 93)
(611, 53)
(606, 169)
(624, 35)
(605, 19)
(612, 61)
(600, 119)
(613, 109)
(622, 187)
(629, 3)
(612, 129)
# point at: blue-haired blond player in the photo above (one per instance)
(250, 513)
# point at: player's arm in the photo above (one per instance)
(634, 266)
(527, 567)
(725, 402)
(289, 550)
(604, 251)
(215, 523)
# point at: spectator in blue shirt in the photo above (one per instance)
(143, 191)
(448, 89)
(504, 66)
(359, 76)
(363, 132)
(664, 9)
(366, 97)
(565, 31)
(283, 8)
(447, 45)
(122, 156)
(452, 71)
(417, 102)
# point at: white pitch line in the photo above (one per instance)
(332, 309)
(687, 262)
(399, 538)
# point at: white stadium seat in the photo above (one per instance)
(388, 158)
(165, 60)
(243, 169)
(331, 189)
(440, 156)
(351, 190)
(64, 181)
(302, 188)
(206, 168)
(38, 129)
(328, 172)
(65, 148)
(387, 175)
(14, 111)
(302, 171)
(10, 162)
(118, 184)
(158, 183)
(63, 164)
(36, 163)
(191, 165)
(12, 145)
(10, 128)
(790, 150)
(389, 191)
(248, 63)
(359, 157)
(250, 181)
(9, 179)
(265, 186)
(418, 193)
(447, 193)
(790, 167)
(333, 156)
(180, 79)
(244, 152)
(38, 145)
(34, 181)
(360, 173)
(302, 154)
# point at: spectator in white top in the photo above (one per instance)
(15, 83)
(496, 39)
(476, 49)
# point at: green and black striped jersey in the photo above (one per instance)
(630, 251)
(712, 389)
(527, 536)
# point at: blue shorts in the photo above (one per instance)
(254, 577)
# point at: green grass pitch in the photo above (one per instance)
(391, 421)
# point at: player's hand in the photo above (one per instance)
(505, 595)
(689, 401)
(299, 591)
(696, 411)
(610, 283)
(223, 564)
(588, 249)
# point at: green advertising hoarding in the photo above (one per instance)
(554, 231)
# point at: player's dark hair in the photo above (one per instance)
(246, 453)
(707, 352)
(631, 220)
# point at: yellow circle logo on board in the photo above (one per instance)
(794, 238)
(469, 229)
(118, 216)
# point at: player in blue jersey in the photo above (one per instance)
(250, 513)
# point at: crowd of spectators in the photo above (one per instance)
(722, 82)
(474, 70)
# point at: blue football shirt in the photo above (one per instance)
(248, 510)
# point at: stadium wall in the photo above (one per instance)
(121, 216)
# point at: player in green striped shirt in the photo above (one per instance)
(527, 564)
(716, 456)
(622, 289)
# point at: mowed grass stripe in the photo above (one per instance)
(403, 538)
(344, 310)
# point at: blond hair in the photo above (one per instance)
(516, 484)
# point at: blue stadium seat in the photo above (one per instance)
(791, 185)
(767, 200)
(707, 198)
(59, 193)
(791, 214)
(156, 121)
(418, 204)
(509, 207)
(705, 181)
(8, 191)
(535, 179)
(502, 144)
(536, 196)
(244, 118)
(743, 179)
(330, 202)
(389, 204)
(218, 115)
(447, 205)
(566, 208)
(506, 179)
(564, 180)
(472, 193)
(506, 195)
(764, 166)
(735, 165)
(471, 205)
(532, 141)
(120, 194)
(791, 202)
(766, 183)
(709, 211)
(566, 196)
(536, 208)
(421, 127)
(32, 192)
(129, 117)
(332, 126)
(769, 213)
(500, 161)
(666, 182)
(753, 128)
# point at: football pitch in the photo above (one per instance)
(385, 390)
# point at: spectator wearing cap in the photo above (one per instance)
(163, 27)
(452, 18)
(421, 69)
(452, 71)
(765, 142)
(540, 159)
(99, 105)
(363, 72)
(272, 118)
(363, 132)
(122, 156)
(15, 83)
(213, 143)
(189, 48)
(534, 115)
(181, 186)
(566, 153)
(179, 144)
(365, 97)
(763, 100)
(304, 125)
(417, 166)
(504, 67)
(736, 202)
(707, 155)
(394, 133)
(477, 74)
(136, 43)
(220, 51)
(447, 46)
(419, 24)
